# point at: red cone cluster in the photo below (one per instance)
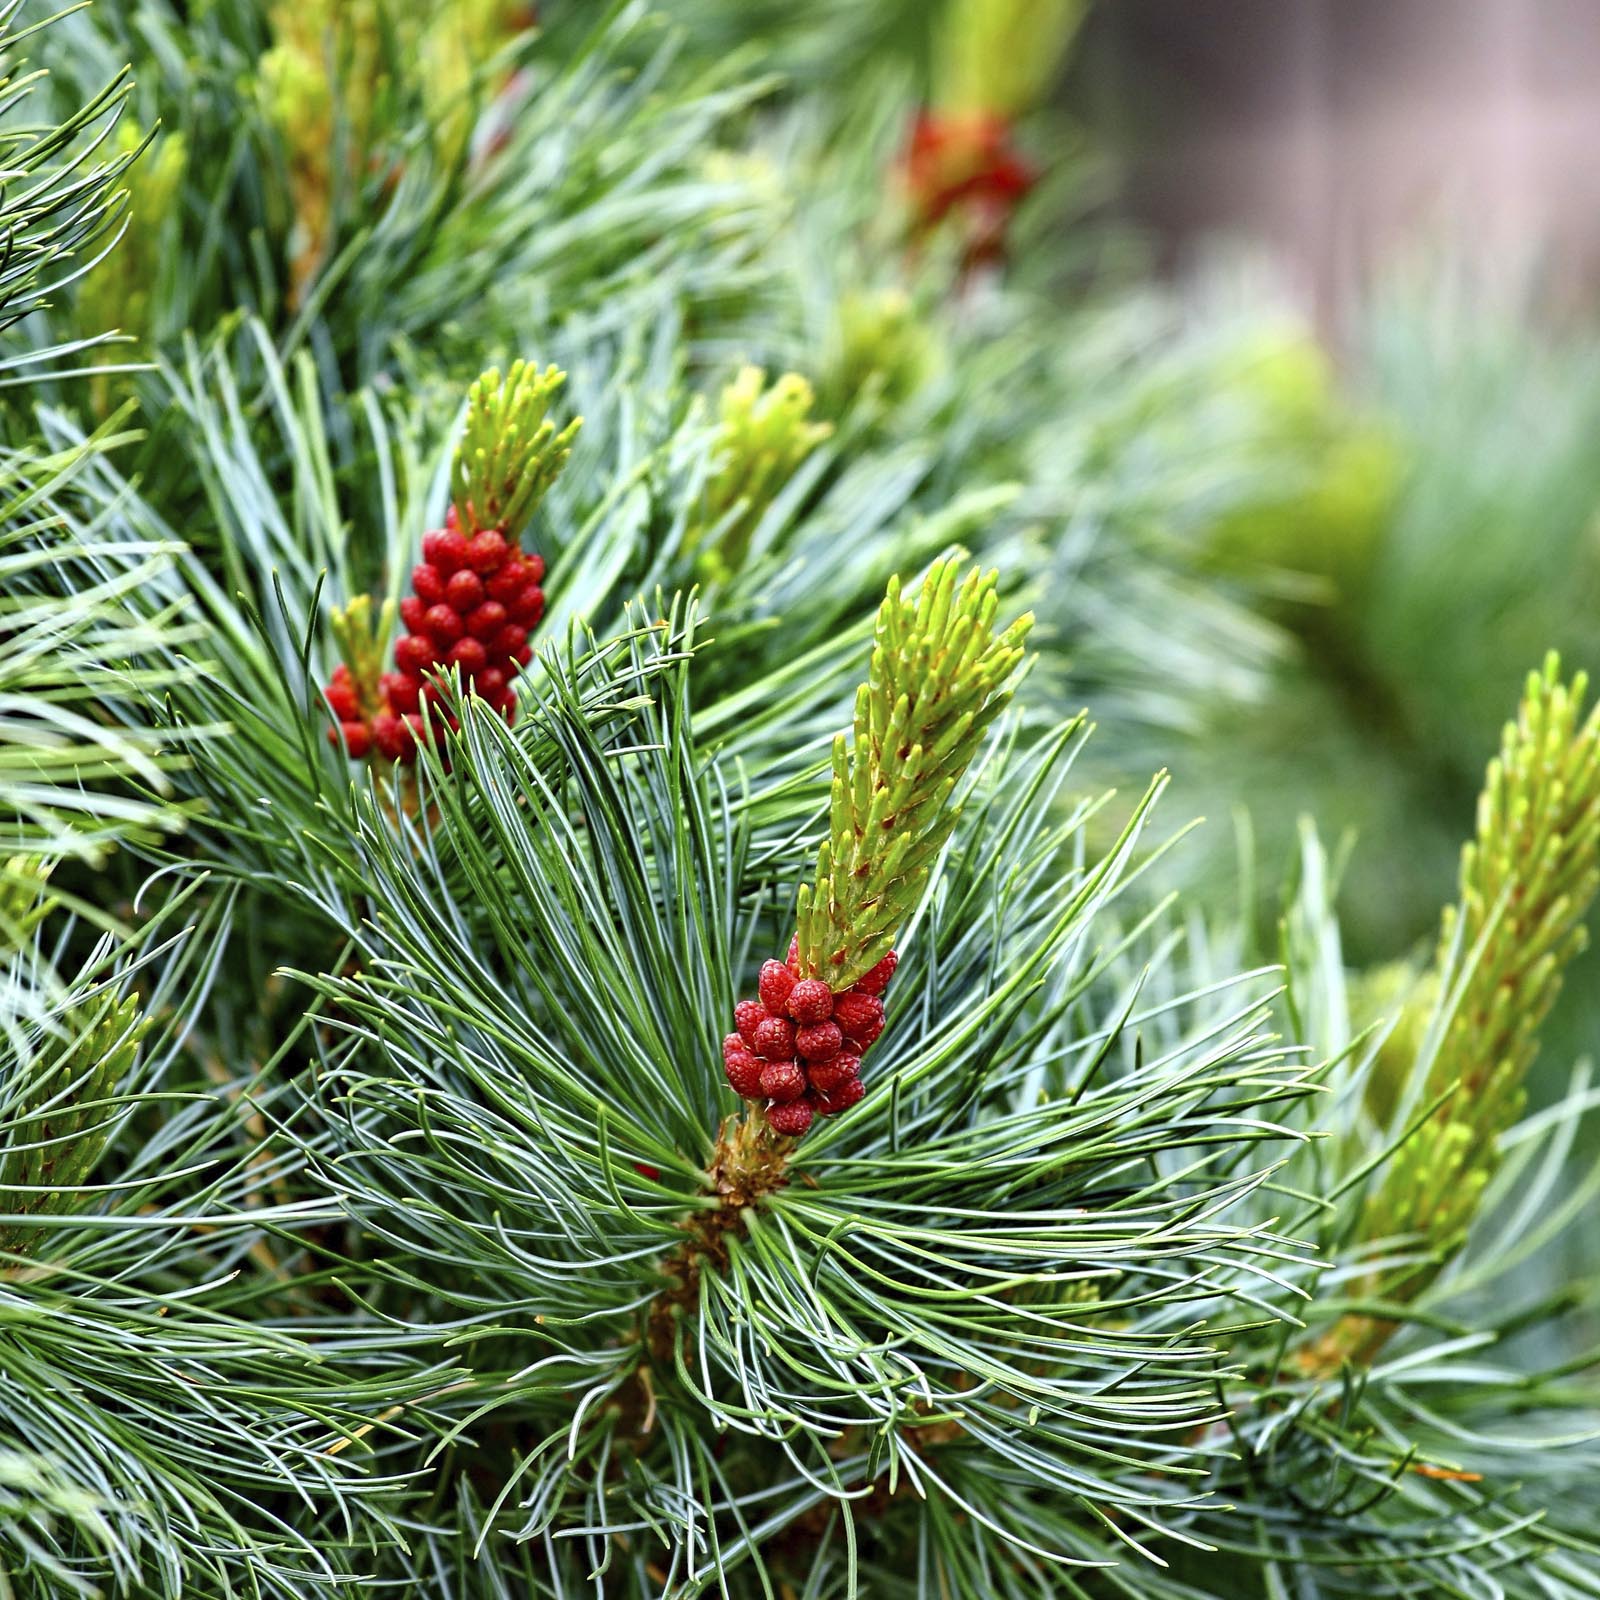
(968, 166)
(799, 1047)
(473, 603)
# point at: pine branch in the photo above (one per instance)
(1528, 878)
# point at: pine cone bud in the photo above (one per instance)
(748, 1015)
(528, 607)
(743, 1072)
(442, 624)
(506, 584)
(877, 980)
(827, 1077)
(511, 641)
(464, 592)
(444, 549)
(775, 1039)
(355, 736)
(842, 1098)
(792, 1119)
(782, 1081)
(485, 551)
(341, 696)
(389, 733)
(404, 692)
(820, 1041)
(775, 985)
(860, 1018)
(414, 653)
(469, 655)
(811, 1000)
(486, 620)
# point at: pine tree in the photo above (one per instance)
(378, 1210)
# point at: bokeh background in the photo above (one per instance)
(1395, 205)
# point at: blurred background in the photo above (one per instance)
(1336, 131)
(1399, 198)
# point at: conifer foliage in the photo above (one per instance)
(405, 787)
(936, 684)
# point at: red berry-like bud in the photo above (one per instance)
(775, 985)
(445, 549)
(506, 584)
(792, 1119)
(842, 1098)
(485, 551)
(794, 955)
(412, 610)
(414, 653)
(451, 520)
(860, 1018)
(492, 684)
(535, 565)
(469, 655)
(819, 1042)
(355, 736)
(743, 1072)
(528, 607)
(429, 584)
(442, 624)
(826, 1076)
(388, 733)
(748, 1015)
(775, 1039)
(464, 591)
(876, 981)
(486, 620)
(811, 1000)
(403, 692)
(523, 656)
(509, 640)
(782, 1080)
(342, 701)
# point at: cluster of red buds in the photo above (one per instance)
(473, 603)
(799, 1047)
(965, 165)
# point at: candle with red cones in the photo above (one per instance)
(475, 595)
(963, 166)
(938, 679)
